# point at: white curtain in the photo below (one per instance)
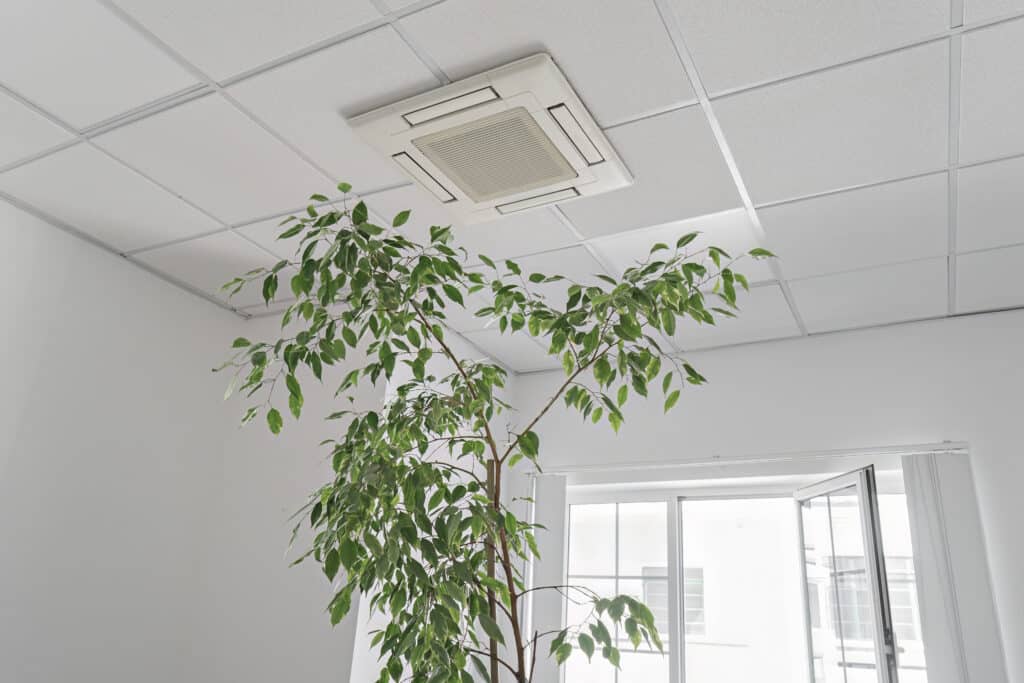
(958, 619)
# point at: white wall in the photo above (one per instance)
(959, 380)
(260, 620)
(111, 428)
(142, 533)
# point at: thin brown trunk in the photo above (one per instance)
(506, 565)
(492, 607)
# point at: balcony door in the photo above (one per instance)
(849, 621)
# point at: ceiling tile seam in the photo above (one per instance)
(69, 229)
(207, 80)
(903, 47)
(329, 42)
(145, 110)
(672, 27)
(852, 188)
(256, 244)
(953, 177)
(847, 330)
(985, 250)
(331, 202)
(887, 181)
(52, 118)
(175, 242)
(42, 154)
(86, 237)
(230, 99)
(81, 138)
(865, 269)
(418, 50)
(646, 116)
(156, 183)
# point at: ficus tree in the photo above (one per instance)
(415, 517)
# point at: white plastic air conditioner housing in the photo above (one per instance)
(507, 140)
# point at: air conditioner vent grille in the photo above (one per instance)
(496, 156)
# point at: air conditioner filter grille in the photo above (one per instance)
(497, 156)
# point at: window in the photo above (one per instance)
(693, 601)
(852, 591)
(619, 548)
(737, 569)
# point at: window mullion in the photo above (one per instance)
(676, 610)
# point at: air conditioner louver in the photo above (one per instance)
(497, 156)
(510, 139)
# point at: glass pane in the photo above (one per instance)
(654, 594)
(579, 670)
(640, 667)
(743, 621)
(643, 539)
(592, 539)
(843, 630)
(899, 569)
(826, 645)
(578, 605)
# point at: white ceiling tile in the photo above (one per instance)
(617, 55)
(989, 280)
(738, 43)
(729, 230)
(79, 61)
(881, 118)
(207, 263)
(871, 226)
(264, 233)
(516, 350)
(83, 187)
(575, 264)
(313, 118)
(979, 10)
(217, 157)
(23, 132)
(274, 308)
(991, 205)
(763, 314)
(992, 92)
(521, 233)
(679, 173)
(463, 319)
(887, 294)
(224, 38)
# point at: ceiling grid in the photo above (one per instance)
(686, 58)
(592, 246)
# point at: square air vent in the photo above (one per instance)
(508, 140)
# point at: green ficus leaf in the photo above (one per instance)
(671, 400)
(331, 563)
(360, 214)
(491, 628)
(586, 645)
(400, 219)
(274, 420)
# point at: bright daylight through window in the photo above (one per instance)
(743, 614)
